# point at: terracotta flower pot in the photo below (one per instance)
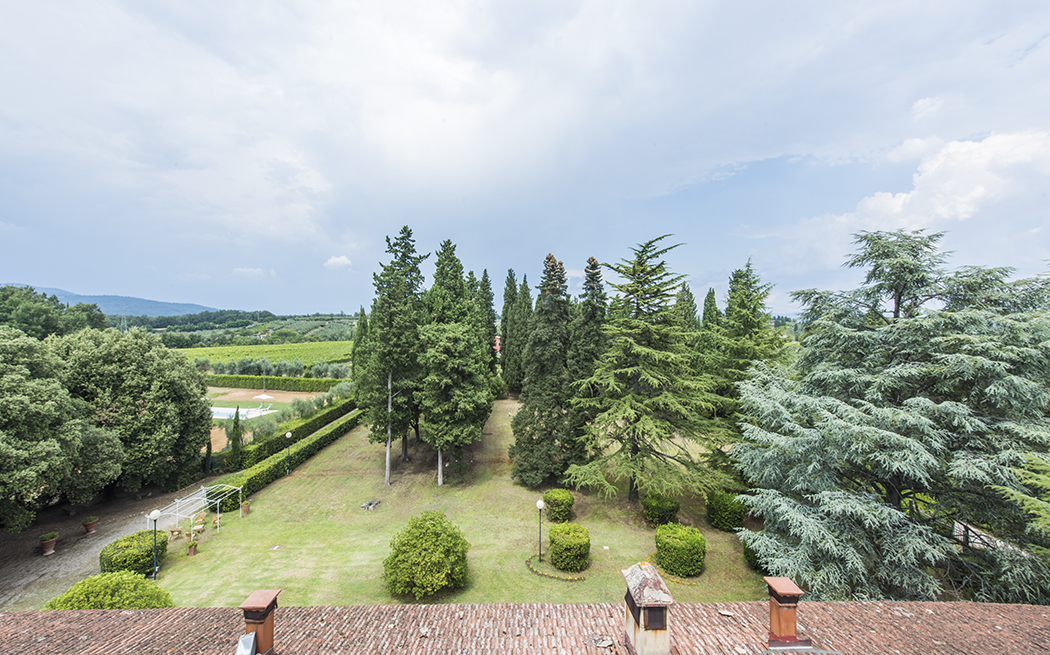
(192, 550)
(246, 507)
(49, 546)
(89, 526)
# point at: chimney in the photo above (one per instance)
(258, 611)
(783, 603)
(647, 624)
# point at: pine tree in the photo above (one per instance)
(645, 394)
(541, 432)
(886, 438)
(685, 304)
(510, 299)
(518, 336)
(360, 354)
(487, 300)
(393, 375)
(712, 315)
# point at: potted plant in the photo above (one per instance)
(246, 507)
(47, 542)
(89, 524)
(192, 549)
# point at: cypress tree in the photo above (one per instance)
(712, 315)
(235, 460)
(510, 299)
(541, 432)
(518, 337)
(587, 343)
(685, 304)
(487, 300)
(360, 354)
(646, 396)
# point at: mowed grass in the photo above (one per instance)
(307, 535)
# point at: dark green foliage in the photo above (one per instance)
(235, 435)
(724, 511)
(646, 397)
(300, 428)
(685, 305)
(891, 430)
(680, 549)
(659, 509)
(49, 447)
(150, 396)
(428, 555)
(558, 503)
(275, 383)
(510, 361)
(39, 315)
(485, 300)
(262, 474)
(751, 557)
(133, 552)
(118, 590)
(570, 547)
(519, 326)
(544, 442)
(712, 315)
(587, 343)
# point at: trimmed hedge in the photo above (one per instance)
(659, 509)
(558, 503)
(118, 590)
(272, 382)
(680, 549)
(272, 468)
(570, 548)
(300, 428)
(133, 552)
(724, 511)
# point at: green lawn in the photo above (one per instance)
(309, 353)
(307, 535)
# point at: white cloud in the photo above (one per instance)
(8, 227)
(253, 272)
(995, 184)
(925, 107)
(335, 263)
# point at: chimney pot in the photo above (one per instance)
(783, 604)
(258, 611)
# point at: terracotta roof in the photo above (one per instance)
(851, 628)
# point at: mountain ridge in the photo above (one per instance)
(117, 305)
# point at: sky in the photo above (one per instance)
(255, 155)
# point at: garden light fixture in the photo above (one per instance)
(154, 515)
(539, 506)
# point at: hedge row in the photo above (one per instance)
(300, 429)
(271, 382)
(273, 468)
(133, 552)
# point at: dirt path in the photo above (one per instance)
(28, 579)
(247, 396)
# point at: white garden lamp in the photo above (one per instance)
(287, 445)
(154, 515)
(539, 506)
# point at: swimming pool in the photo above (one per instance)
(223, 413)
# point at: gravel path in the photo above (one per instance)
(28, 579)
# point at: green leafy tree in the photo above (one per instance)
(712, 315)
(644, 391)
(120, 590)
(393, 377)
(150, 396)
(518, 330)
(486, 301)
(510, 362)
(877, 452)
(428, 555)
(360, 353)
(1036, 498)
(48, 448)
(235, 435)
(543, 437)
(685, 304)
(35, 314)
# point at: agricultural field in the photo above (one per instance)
(309, 352)
(308, 535)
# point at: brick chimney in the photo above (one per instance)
(647, 624)
(783, 603)
(258, 611)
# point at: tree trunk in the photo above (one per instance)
(404, 448)
(632, 493)
(440, 478)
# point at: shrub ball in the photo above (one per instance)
(428, 555)
(558, 503)
(570, 548)
(119, 590)
(680, 549)
(659, 509)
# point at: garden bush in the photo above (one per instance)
(558, 503)
(570, 548)
(428, 555)
(133, 552)
(751, 557)
(118, 590)
(724, 511)
(680, 549)
(659, 509)
(300, 428)
(275, 383)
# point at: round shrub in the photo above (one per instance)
(680, 549)
(558, 503)
(120, 590)
(659, 509)
(724, 511)
(428, 555)
(133, 552)
(570, 547)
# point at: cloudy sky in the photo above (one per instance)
(254, 155)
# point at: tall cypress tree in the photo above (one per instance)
(541, 432)
(518, 337)
(487, 300)
(393, 376)
(712, 315)
(644, 391)
(587, 343)
(685, 304)
(357, 359)
(510, 299)
(456, 395)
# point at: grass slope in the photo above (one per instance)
(309, 352)
(307, 535)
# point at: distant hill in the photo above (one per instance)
(117, 305)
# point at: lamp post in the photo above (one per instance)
(539, 516)
(287, 445)
(155, 514)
